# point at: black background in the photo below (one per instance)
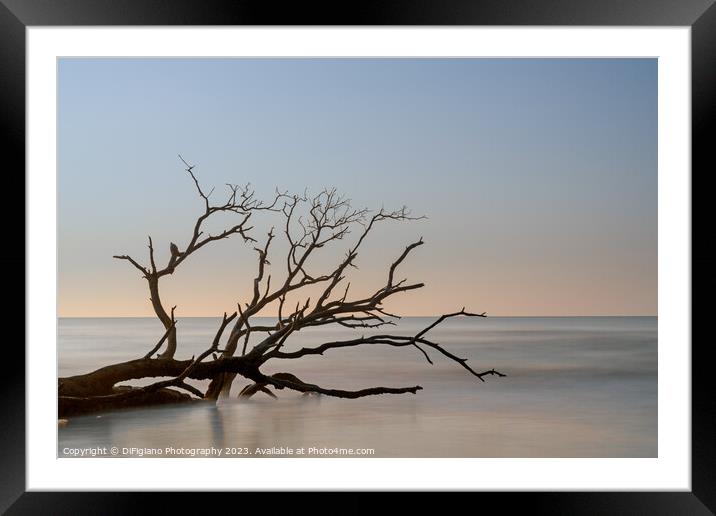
(16, 15)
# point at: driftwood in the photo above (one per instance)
(310, 223)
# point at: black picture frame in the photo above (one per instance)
(17, 15)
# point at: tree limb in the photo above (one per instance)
(161, 341)
(337, 393)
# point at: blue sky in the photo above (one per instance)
(538, 176)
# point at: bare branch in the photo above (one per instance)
(189, 169)
(400, 260)
(447, 316)
(161, 341)
(299, 386)
(392, 340)
(214, 346)
(263, 253)
(151, 256)
(190, 388)
(248, 330)
(133, 262)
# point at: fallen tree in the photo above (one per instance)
(308, 223)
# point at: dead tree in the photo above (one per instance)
(309, 224)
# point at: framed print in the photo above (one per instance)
(272, 255)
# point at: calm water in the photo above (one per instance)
(576, 387)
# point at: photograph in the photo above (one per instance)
(357, 257)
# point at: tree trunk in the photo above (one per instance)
(94, 391)
(163, 317)
(220, 387)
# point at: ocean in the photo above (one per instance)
(575, 387)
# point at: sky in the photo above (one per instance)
(538, 177)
